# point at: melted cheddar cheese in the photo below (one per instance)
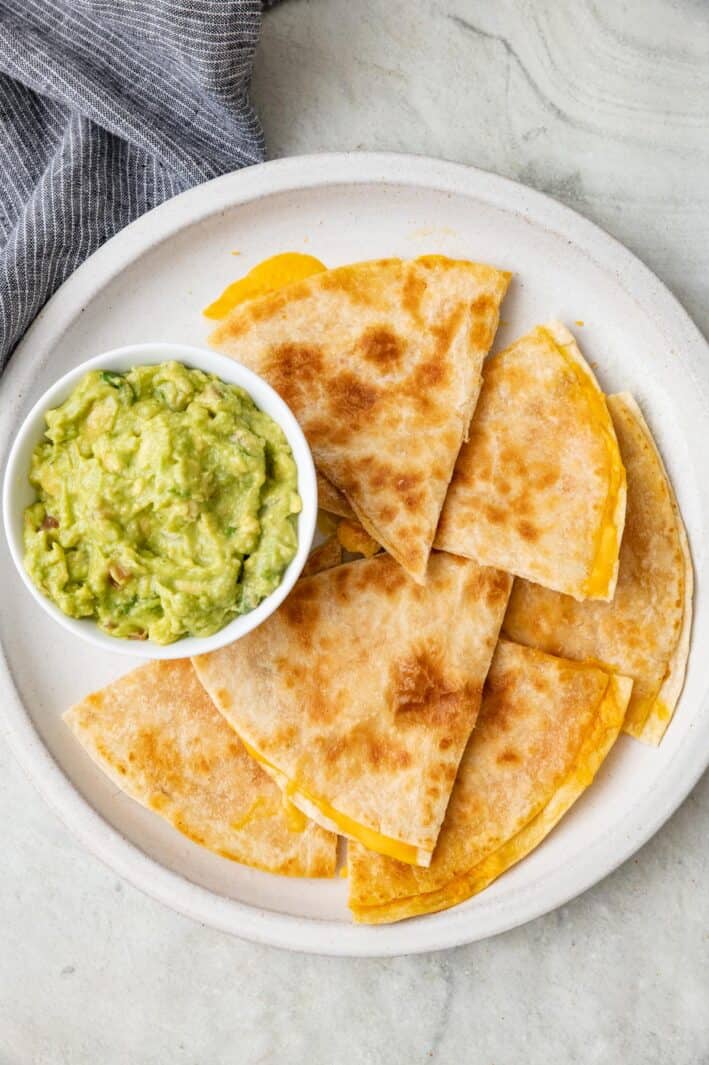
(607, 546)
(271, 274)
(594, 748)
(347, 826)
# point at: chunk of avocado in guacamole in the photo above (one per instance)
(166, 503)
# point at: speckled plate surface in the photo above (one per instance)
(150, 283)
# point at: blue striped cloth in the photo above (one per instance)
(107, 108)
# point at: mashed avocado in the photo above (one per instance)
(166, 503)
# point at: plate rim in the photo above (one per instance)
(308, 934)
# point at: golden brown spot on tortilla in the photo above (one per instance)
(497, 589)
(354, 282)
(368, 747)
(300, 612)
(380, 346)
(381, 573)
(508, 757)
(513, 459)
(546, 478)
(446, 331)
(224, 698)
(275, 302)
(430, 374)
(413, 293)
(496, 515)
(255, 311)
(350, 396)
(423, 694)
(376, 472)
(484, 310)
(498, 682)
(341, 582)
(527, 530)
(291, 368)
(408, 490)
(326, 430)
(417, 680)
(384, 754)
(284, 736)
(164, 760)
(387, 513)
(444, 743)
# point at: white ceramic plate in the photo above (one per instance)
(150, 283)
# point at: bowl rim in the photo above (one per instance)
(150, 353)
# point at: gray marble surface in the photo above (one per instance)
(606, 107)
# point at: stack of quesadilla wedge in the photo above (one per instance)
(380, 362)
(644, 631)
(544, 728)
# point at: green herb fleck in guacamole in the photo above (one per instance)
(166, 503)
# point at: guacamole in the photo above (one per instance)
(166, 503)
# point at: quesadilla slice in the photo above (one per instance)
(544, 728)
(380, 362)
(158, 736)
(358, 695)
(644, 632)
(539, 488)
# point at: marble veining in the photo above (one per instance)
(606, 107)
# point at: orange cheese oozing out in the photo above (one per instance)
(368, 837)
(608, 535)
(271, 274)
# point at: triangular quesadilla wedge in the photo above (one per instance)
(358, 695)
(158, 736)
(380, 362)
(539, 488)
(644, 632)
(544, 728)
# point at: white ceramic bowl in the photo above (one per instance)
(18, 493)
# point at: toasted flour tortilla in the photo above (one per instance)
(644, 632)
(544, 728)
(331, 500)
(539, 488)
(358, 695)
(158, 736)
(326, 555)
(380, 362)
